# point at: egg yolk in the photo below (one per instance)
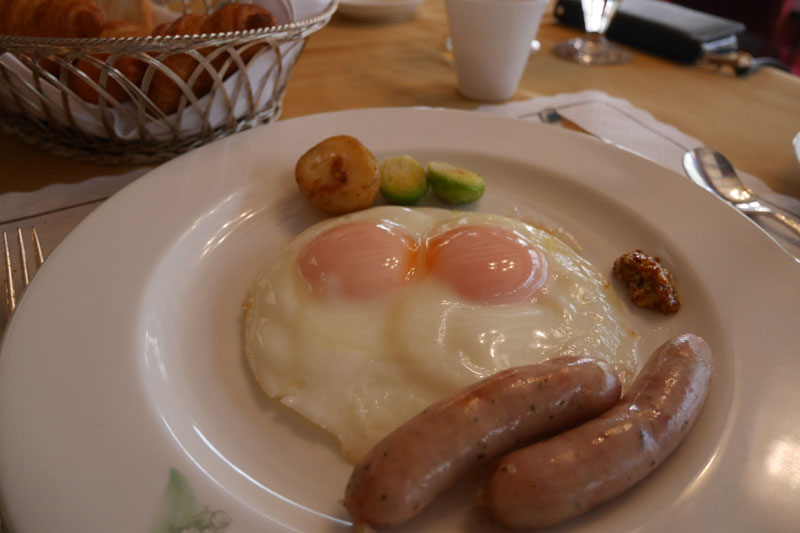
(358, 260)
(486, 264)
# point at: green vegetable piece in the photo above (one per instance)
(454, 185)
(403, 180)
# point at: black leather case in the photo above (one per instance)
(662, 28)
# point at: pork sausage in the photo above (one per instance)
(405, 471)
(556, 479)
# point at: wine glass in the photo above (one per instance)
(593, 48)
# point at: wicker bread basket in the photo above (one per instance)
(249, 71)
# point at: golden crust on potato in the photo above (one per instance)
(339, 175)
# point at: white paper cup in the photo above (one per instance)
(491, 44)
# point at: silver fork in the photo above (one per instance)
(12, 295)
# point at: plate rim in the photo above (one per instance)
(156, 179)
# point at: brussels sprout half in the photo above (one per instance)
(403, 180)
(454, 185)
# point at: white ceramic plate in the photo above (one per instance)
(378, 10)
(796, 146)
(126, 403)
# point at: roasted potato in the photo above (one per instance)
(339, 175)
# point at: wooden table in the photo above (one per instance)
(350, 64)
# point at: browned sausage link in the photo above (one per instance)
(404, 472)
(554, 480)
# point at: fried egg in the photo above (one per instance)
(363, 320)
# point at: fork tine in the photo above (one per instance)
(12, 292)
(26, 280)
(11, 295)
(38, 256)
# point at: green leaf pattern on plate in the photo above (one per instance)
(180, 512)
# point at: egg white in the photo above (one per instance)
(361, 368)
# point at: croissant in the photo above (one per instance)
(16, 15)
(238, 17)
(138, 13)
(68, 18)
(124, 28)
(51, 18)
(131, 68)
(164, 92)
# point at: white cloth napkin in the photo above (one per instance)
(616, 120)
